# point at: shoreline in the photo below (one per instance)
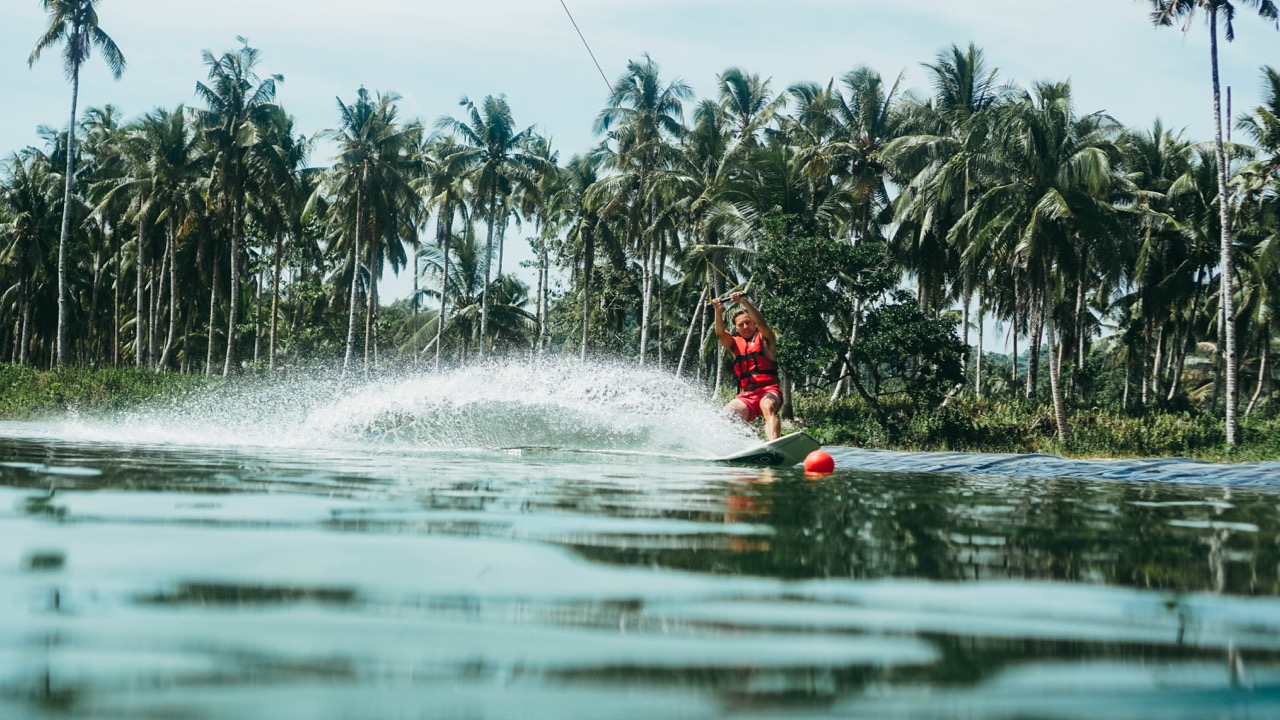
(1004, 426)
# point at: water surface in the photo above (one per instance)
(484, 545)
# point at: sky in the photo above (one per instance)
(433, 53)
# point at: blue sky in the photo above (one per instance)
(432, 53)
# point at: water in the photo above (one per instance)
(515, 541)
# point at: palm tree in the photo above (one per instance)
(74, 23)
(105, 167)
(642, 117)
(279, 202)
(584, 227)
(943, 154)
(1165, 13)
(445, 190)
(747, 104)
(498, 156)
(374, 178)
(238, 103)
(510, 322)
(1261, 179)
(28, 203)
(172, 164)
(1053, 201)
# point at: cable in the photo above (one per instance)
(588, 47)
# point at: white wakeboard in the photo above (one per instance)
(786, 451)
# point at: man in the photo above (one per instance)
(755, 352)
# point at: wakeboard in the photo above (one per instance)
(786, 451)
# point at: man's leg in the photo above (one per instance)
(739, 408)
(772, 423)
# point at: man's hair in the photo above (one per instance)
(737, 315)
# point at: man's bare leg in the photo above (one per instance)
(772, 423)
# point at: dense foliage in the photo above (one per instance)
(202, 240)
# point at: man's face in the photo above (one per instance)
(745, 325)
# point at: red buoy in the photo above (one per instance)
(819, 463)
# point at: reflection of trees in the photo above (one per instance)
(1144, 535)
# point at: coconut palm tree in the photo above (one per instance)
(74, 24)
(1165, 13)
(445, 191)
(498, 156)
(1053, 200)
(238, 102)
(105, 167)
(748, 104)
(1261, 180)
(375, 176)
(642, 118)
(278, 204)
(943, 152)
(29, 197)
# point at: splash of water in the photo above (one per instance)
(555, 403)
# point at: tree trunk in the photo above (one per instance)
(355, 284)
(257, 313)
(1179, 363)
(588, 263)
(1157, 361)
(66, 219)
(1033, 358)
(213, 314)
(447, 217)
(1224, 217)
(236, 209)
(115, 302)
(702, 339)
(173, 296)
(977, 370)
(1055, 370)
(488, 258)
(502, 236)
(646, 298)
(371, 303)
(541, 306)
(660, 291)
(715, 387)
(688, 336)
(139, 317)
(158, 287)
(24, 344)
(1262, 372)
(275, 302)
(1014, 332)
(95, 346)
(371, 306)
(186, 344)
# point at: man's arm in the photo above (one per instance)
(725, 338)
(766, 332)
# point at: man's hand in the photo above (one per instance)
(735, 296)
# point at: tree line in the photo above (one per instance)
(202, 239)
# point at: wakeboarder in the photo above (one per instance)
(755, 352)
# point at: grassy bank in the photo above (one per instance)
(1017, 426)
(27, 394)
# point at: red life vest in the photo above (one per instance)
(753, 368)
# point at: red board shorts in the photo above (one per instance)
(752, 398)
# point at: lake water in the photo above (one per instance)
(545, 542)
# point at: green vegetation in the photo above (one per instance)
(27, 393)
(1014, 426)
(202, 240)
